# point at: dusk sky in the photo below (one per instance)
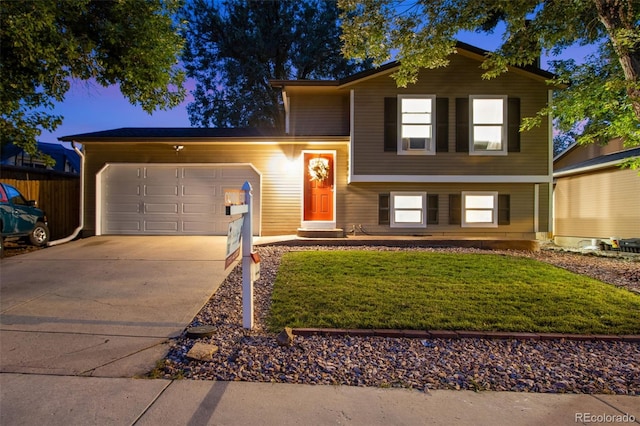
(90, 108)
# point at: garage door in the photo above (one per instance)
(164, 199)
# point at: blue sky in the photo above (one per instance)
(90, 108)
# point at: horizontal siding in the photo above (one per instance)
(598, 205)
(460, 79)
(321, 115)
(362, 209)
(280, 166)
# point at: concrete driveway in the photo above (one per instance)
(103, 306)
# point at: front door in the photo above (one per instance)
(318, 187)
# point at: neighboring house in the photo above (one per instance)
(441, 157)
(66, 160)
(594, 198)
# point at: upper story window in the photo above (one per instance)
(416, 115)
(488, 129)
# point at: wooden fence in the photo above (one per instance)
(60, 199)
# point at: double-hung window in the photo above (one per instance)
(488, 130)
(416, 132)
(479, 209)
(408, 209)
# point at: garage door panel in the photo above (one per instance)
(152, 208)
(123, 227)
(160, 226)
(150, 190)
(123, 208)
(167, 199)
(162, 172)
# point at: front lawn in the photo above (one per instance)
(444, 291)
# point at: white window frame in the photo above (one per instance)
(472, 126)
(430, 145)
(493, 210)
(422, 209)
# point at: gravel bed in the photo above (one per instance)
(556, 366)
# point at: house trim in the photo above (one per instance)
(591, 168)
(450, 179)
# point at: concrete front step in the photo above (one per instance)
(320, 233)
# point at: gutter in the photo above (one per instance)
(81, 224)
(594, 167)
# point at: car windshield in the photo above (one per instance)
(15, 196)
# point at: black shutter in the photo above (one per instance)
(504, 209)
(383, 209)
(455, 209)
(390, 124)
(462, 124)
(442, 124)
(513, 130)
(432, 209)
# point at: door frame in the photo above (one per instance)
(318, 224)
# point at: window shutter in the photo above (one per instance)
(462, 124)
(442, 124)
(513, 130)
(455, 209)
(432, 209)
(504, 209)
(390, 125)
(383, 209)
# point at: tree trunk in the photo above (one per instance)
(617, 17)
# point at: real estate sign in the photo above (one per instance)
(234, 235)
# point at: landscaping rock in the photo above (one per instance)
(475, 363)
(285, 338)
(202, 352)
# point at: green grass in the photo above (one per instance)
(420, 290)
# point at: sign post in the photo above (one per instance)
(242, 228)
(247, 261)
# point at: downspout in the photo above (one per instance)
(81, 224)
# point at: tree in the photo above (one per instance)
(235, 47)
(422, 32)
(45, 44)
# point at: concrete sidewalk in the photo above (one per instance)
(55, 400)
(78, 321)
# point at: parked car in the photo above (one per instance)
(21, 218)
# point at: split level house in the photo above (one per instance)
(442, 157)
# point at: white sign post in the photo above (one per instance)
(247, 261)
(250, 261)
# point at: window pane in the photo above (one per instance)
(416, 105)
(416, 118)
(407, 202)
(479, 216)
(487, 137)
(487, 111)
(478, 201)
(416, 132)
(408, 216)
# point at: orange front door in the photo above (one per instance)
(318, 187)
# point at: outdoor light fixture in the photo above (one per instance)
(178, 148)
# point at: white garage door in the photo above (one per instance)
(162, 199)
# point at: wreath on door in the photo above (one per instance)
(318, 169)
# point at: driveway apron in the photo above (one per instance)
(104, 306)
